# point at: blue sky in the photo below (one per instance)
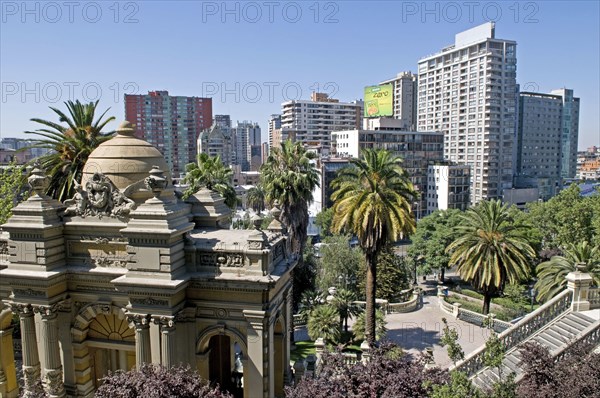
(250, 56)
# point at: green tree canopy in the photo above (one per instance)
(491, 249)
(12, 189)
(338, 259)
(433, 235)
(70, 145)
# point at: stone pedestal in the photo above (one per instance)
(579, 282)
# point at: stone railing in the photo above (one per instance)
(407, 306)
(522, 330)
(594, 297)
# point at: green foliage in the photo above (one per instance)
(304, 276)
(289, 176)
(256, 198)
(567, 219)
(506, 388)
(12, 189)
(393, 275)
(343, 302)
(492, 248)
(380, 329)
(339, 259)
(515, 293)
(323, 322)
(450, 340)
(552, 273)
(211, 173)
(494, 353)
(323, 221)
(433, 235)
(71, 144)
(459, 387)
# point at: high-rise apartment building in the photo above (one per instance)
(468, 92)
(570, 132)
(417, 149)
(218, 140)
(313, 121)
(447, 187)
(274, 124)
(170, 123)
(405, 99)
(248, 145)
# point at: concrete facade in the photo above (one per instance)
(127, 273)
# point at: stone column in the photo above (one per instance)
(256, 370)
(167, 340)
(143, 353)
(31, 359)
(53, 372)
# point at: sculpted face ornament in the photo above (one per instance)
(101, 198)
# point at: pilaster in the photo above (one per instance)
(53, 371)
(143, 353)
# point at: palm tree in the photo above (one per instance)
(551, 274)
(372, 201)
(70, 145)
(211, 173)
(289, 176)
(255, 198)
(491, 249)
(323, 322)
(344, 302)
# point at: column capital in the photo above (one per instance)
(166, 323)
(47, 312)
(140, 321)
(23, 310)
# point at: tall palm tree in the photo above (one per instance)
(491, 249)
(372, 201)
(289, 176)
(255, 198)
(211, 173)
(70, 145)
(551, 274)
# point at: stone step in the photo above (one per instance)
(574, 322)
(547, 342)
(558, 334)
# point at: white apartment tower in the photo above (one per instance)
(313, 121)
(468, 91)
(405, 99)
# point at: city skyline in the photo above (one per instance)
(249, 65)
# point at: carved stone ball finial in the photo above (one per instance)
(38, 180)
(126, 129)
(156, 182)
(257, 221)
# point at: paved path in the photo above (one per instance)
(417, 330)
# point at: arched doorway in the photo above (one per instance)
(111, 344)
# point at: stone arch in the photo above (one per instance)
(87, 314)
(204, 338)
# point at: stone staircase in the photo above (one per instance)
(571, 316)
(557, 336)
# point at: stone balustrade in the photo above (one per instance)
(521, 330)
(594, 297)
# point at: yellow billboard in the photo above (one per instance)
(379, 100)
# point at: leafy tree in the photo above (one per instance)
(70, 145)
(157, 382)
(433, 235)
(460, 386)
(211, 173)
(551, 274)
(338, 259)
(576, 375)
(12, 186)
(255, 198)
(393, 275)
(567, 219)
(289, 176)
(323, 221)
(372, 201)
(491, 249)
(494, 353)
(359, 328)
(323, 322)
(450, 339)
